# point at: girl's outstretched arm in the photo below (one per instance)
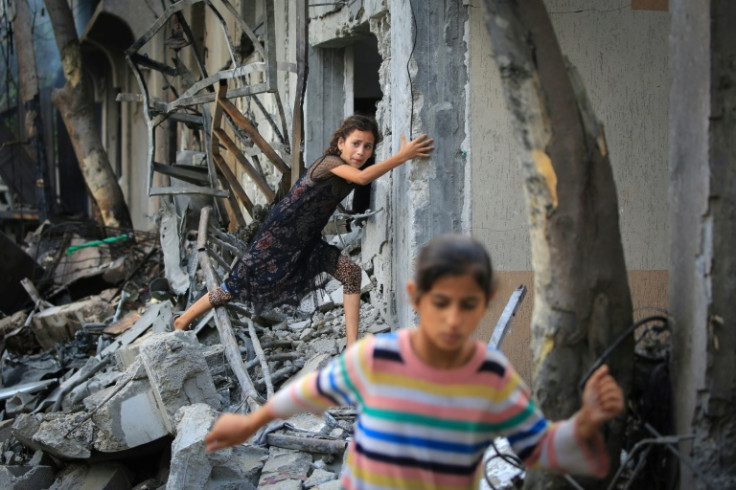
(419, 147)
(232, 429)
(332, 385)
(603, 400)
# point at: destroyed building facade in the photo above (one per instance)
(420, 67)
(423, 67)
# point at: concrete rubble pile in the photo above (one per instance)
(99, 393)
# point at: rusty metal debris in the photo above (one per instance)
(232, 141)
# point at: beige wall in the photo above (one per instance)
(648, 293)
(622, 57)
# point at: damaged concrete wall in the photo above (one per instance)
(702, 285)
(621, 55)
(428, 195)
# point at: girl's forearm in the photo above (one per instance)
(378, 169)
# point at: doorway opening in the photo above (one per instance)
(366, 94)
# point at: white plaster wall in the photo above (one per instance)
(622, 57)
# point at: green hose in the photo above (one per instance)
(112, 239)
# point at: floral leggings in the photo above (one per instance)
(344, 270)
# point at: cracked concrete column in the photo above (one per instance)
(429, 196)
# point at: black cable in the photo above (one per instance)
(408, 73)
(599, 362)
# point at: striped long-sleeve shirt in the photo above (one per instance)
(422, 427)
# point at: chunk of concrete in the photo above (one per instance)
(59, 323)
(316, 362)
(318, 477)
(316, 300)
(282, 485)
(330, 485)
(98, 476)
(192, 467)
(325, 346)
(178, 373)
(285, 466)
(26, 477)
(131, 417)
(299, 326)
(65, 436)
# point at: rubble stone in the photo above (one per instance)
(26, 477)
(299, 326)
(178, 373)
(192, 467)
(59, 323)
(325, 346)
(316, 300)
(130, 418)
(283, 485)
(98, 476)
(285, 466)
(316, 362)
(330, 485)
(49, 434)
(318, 477)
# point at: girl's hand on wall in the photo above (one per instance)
(229, 430)
(418, 147)
(602, 401)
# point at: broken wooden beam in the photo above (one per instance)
(265, 370)
(256, 177)
(222, 320)
(243, 123)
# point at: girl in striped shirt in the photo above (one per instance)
(430, 399)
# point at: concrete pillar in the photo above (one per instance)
(429, 195)
(702, 220)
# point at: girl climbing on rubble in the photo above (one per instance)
(288, 252)
(431, 399)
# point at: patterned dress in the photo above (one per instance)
(288, 253)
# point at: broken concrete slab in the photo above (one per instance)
(318, 361)
(65, 436)
(98, 476)
(316, 300)
(284, 467)
(192, 467)
(25, 477)
(325, 346)
(318, 477)
(130, 418)
(59, 323)
(330, 485)
(178, 373)
(282, 485)
(299, 326)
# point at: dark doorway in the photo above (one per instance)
(366, 94)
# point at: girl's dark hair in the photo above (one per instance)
(453, 255)
(350, 124)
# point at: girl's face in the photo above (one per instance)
(356, 148)
(448, 314)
